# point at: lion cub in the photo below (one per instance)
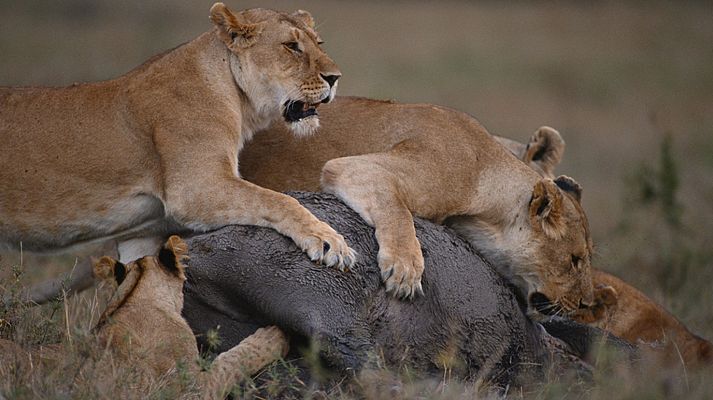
(143, 319)
(626, 312)
(142, 327)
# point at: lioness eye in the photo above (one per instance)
(294, 46)
(320, 42)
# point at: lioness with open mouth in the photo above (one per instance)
(156, 151)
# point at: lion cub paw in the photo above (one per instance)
(326, 246)
(269, 341)
(401, 272)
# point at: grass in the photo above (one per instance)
(629, 85)
(653, 200)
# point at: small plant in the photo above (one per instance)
(658, 186)
(654, 212)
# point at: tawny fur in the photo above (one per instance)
(618, 307)
(626, 312)
(392, 161)
(156, 150)
(142, 326)
(542, 153)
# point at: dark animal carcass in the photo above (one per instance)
(243, 277)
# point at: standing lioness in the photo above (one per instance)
(156, 150)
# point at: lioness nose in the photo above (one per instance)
(331, 79)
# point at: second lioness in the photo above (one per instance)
(392, 161)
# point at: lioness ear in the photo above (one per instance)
(172, 255)
(570, 186)
(234, 32)
(545, 149)
(305, 17)
(107, 268)
(546, 208)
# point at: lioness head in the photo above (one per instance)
(277, 61)
(556, 265)
(553, 270)
(543, 247)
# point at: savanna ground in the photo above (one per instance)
(630, 87)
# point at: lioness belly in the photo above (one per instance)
(48, 231)
(75, 167)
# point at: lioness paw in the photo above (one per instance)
(401, 272)
(326, 246)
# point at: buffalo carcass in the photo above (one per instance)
(470, 321)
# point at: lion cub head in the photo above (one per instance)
(277, 61)
(142, 322)
(147, 279)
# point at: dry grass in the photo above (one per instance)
(614, 78)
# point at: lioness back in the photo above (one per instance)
(353, 126)
(74, 159)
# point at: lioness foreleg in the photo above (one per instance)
(372, 191)
(236, 201)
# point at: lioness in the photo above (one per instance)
(391, 161)
(142, 327)
(156, 151)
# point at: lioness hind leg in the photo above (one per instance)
(248, 357)
(372, 190)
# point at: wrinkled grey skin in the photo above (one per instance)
(244, 277)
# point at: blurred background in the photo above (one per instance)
(629, 86)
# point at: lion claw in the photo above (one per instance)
(329, 248)
(402, 274)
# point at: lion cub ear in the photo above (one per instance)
(606, 299)
(545, 149)
(606, 296)
(172, 255)
(546, 208)
(305, 17)
(236, 34)
(107, 268)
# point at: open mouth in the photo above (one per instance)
(297, 110)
